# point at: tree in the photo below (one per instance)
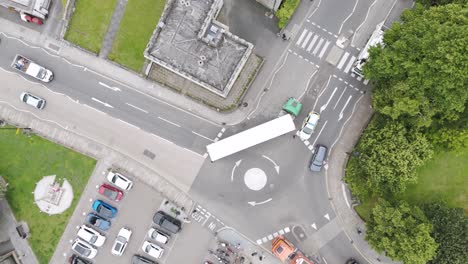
(388, 157)
(286, 11)
(440, 2)
(450, 232)
(402, 232)
(420, 74)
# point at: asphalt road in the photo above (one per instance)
(118, 100)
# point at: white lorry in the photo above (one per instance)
(374, 40)
(31, 68)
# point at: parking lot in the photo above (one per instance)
(135, 211)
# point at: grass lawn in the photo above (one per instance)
(444, 178)
(24, 161)
(89, 23)
(137, 25)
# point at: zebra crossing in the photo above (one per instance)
(317, 45)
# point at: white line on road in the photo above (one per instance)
(350, 63)
(172, 123)
(344, 90)
(344, 21)
(359, 27)
(344, 195)
(319, 133)
(304, 44)
(312, 43)
(101, 102)
(128, 124)
(136, 108)
(329, 99)
(326, 86)
(318, 46)
(307, 85)
(200, 135)
(324, 260)
(304, 32)
(115, 89)
(344, 107)
(324, 49)
(342, 61)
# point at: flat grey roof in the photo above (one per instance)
(190, 42)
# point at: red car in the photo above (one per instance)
(30, 19)
(111, 192)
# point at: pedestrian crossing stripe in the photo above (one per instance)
(304, 44)
(312, 43)
(301, 37)
(324, 49)
(317, 47)
(350, 63)
(342, 61)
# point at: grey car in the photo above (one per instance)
(136, 259)
(318, 158)
(167, 222)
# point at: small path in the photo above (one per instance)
(113, 28)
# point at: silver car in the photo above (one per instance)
(32, 100)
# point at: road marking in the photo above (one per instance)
(366, 82)
(317, 47)
(301, 37)
(287, 230)
(342, 23)
(326, 87)
(304, 44)
(324, 49)
(115, 89)
(350, 63)
(327, 217)
(200, 135)
(165, 120)
(312, 43)
(324, 260)
(314, 226)
(137, 108)
(234, 169)
(319, 133)
(101, 102)
(253, 203)
(329, 99)
(277, 167)
(344, 195)
(342, 61)
(342, 110)
(259, 242)
(359, 78)
(359, 27)
(344, 90)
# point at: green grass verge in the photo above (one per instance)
(137, 25)
(24, 161)
(444, 178)
(89, 23)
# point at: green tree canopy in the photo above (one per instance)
(402, 232)
(388, 156)
(450, 232)
(421, 74)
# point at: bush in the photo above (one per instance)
(286, 11)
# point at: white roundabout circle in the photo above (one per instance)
(255, 179)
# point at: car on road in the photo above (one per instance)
(84, 249)
(121, 241)
(167, 222)
(33, 100)
(318, 158)
(91, 236)
(136, 259)
(309, 124)
(158, 236)
(98, 221)
(104, 209)
(119, 180)
(153, 250)
(352, 261)
(75, 259)
(111, 192)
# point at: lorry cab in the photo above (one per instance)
(282, 248)
(292, 107)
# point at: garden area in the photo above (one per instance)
(89, 22)
(26, 159)
(138, 23)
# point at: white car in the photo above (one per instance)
(158, 236)
(309, 125)
(119, 180)
(33, 100)
(91, 236)
(121, 241)
(153, 250)
(84, 249)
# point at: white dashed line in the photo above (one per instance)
(167, 121)
(137, 108)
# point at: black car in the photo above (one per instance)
(136, 259)
(318, 158)
(352, 261)
(167, 222)
(75, 259)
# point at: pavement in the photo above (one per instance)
(114, 25)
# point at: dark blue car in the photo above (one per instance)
(104, 209)
(98, 221)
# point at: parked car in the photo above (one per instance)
(104, 209)
(309, 124)
(318, 158)
(84, 249)
(119, 180)
(98, 221)
(75, 259)
(121, 241)
(29, 18)
(153, 250)
(33, 100)
(158, 236)
(137, 259)
(167, 222)
(111, 192)
(91, 236)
